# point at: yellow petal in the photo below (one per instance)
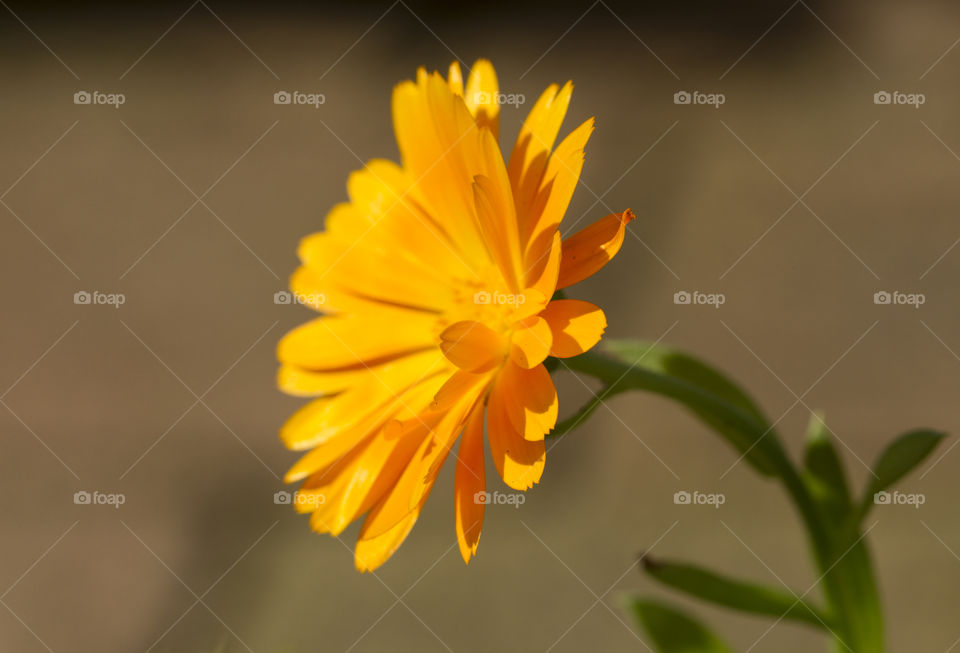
(459, 383)
(560, 179)
(530, 399)
(532, 149)
(498, 224)
(543, 264)
(411, 401)
(374, 271)
(472, 346)
(440, 147)
(519, 461)
(322, 419)
(455, 78)
(576, 326)
(367, 477)
(588, 250)
(469, 485)
(336, 342)
(299, 382)
(436, 433)
(373, 551)
(482, 94)
(531, 342)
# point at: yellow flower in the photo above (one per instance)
(435, 281)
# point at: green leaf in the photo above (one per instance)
(672, 631)
(824, 475)
(739, 595)
(721, 404)
(900, 457)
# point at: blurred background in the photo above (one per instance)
(798, 198)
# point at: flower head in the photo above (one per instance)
(436, 282)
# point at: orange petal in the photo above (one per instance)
(337, 447)
(531, 342)
(532, 149)
(530, 399)
(542, 263)
(436, 432)
(560, 179)
(472, 346)
(576, 326)
(367, 477)
(469, 484)
(373, 550)
(588, 250)
(519, 461)
(325, 418)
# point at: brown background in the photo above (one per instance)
(117, 400)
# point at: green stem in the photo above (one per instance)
(841, 558)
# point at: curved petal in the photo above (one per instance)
(588, 250)
(576, 326)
